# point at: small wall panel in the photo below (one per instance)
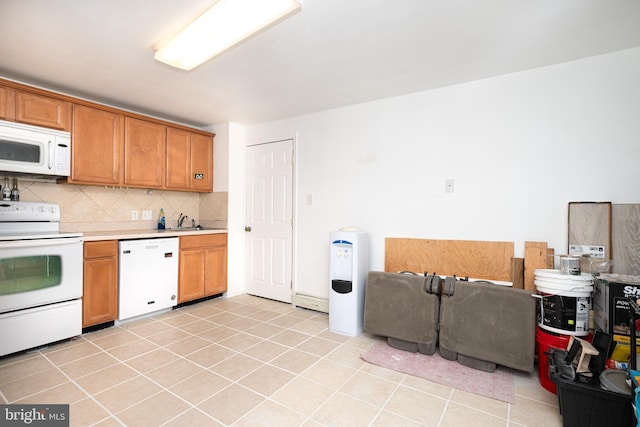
(625, 239)
(476, 259)
(590, 225)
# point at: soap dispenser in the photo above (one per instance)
(161, 220)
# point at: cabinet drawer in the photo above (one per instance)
(203, 241)
(105, 248)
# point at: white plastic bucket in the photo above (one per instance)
(565, 301)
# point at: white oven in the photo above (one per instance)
(40, 277)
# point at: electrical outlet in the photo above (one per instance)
(134, 215)
(449, 186)
(309, 199)
(146, 214)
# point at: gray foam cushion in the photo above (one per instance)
(396, 306)
(489, 323)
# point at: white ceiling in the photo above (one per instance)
(333, 53)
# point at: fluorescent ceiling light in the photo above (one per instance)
(224, 25)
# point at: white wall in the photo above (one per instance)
(519, 146)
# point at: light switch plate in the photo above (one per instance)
(449, 186)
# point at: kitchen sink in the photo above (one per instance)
(184, 229)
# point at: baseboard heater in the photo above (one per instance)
(312, 303)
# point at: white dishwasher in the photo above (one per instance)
(148, 277)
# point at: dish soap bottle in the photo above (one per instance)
(161, 221)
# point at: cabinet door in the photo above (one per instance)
(100, 283)
(144, 153)
(216, 271)
(178, 159)
(42, 111)
(96, 146)
(191, 275)
(201, 163)
(7, 103)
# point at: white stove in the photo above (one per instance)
(30, 220)
(40, 277)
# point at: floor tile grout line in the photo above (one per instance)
(323, 357)
(267, 363)
(124, 362)
(237, 382)
(87, 394)
(310, 417)
(144, 375)
(384, 405)
(310, 332)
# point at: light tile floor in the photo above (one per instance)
(247, 361)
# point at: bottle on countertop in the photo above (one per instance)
(15, 193)
(6, 190)
(161, 220)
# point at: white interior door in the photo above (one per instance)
(269, 220)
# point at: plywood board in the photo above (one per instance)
(517, 272)
(536, 256)
(470, 258)
(625, 239)
(590, 225)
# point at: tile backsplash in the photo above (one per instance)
(95, 208)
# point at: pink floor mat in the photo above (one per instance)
(497, 385)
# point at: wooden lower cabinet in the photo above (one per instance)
(100, 282)
(202, 269)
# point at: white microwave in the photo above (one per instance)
(26, 149)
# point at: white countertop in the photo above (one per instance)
(146, 234)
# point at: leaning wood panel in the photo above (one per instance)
(625, 239)
(536, 256)
(477, 259)
(590, 225)
(517, 272)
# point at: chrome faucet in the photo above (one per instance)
(181, 219)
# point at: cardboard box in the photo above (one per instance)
(611, 306)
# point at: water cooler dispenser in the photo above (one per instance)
(349, 267)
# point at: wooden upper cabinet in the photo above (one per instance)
(178, 158)
(7, 103)
(189, 160)
(110, 146)
(201, 162)
(42, 111)
(144, 153)
(96, 146)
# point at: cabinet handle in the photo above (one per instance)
(247, 229)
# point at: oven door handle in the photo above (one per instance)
(39, 243)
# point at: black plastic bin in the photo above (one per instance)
(588, 405)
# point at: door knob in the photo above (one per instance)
(247, 228)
